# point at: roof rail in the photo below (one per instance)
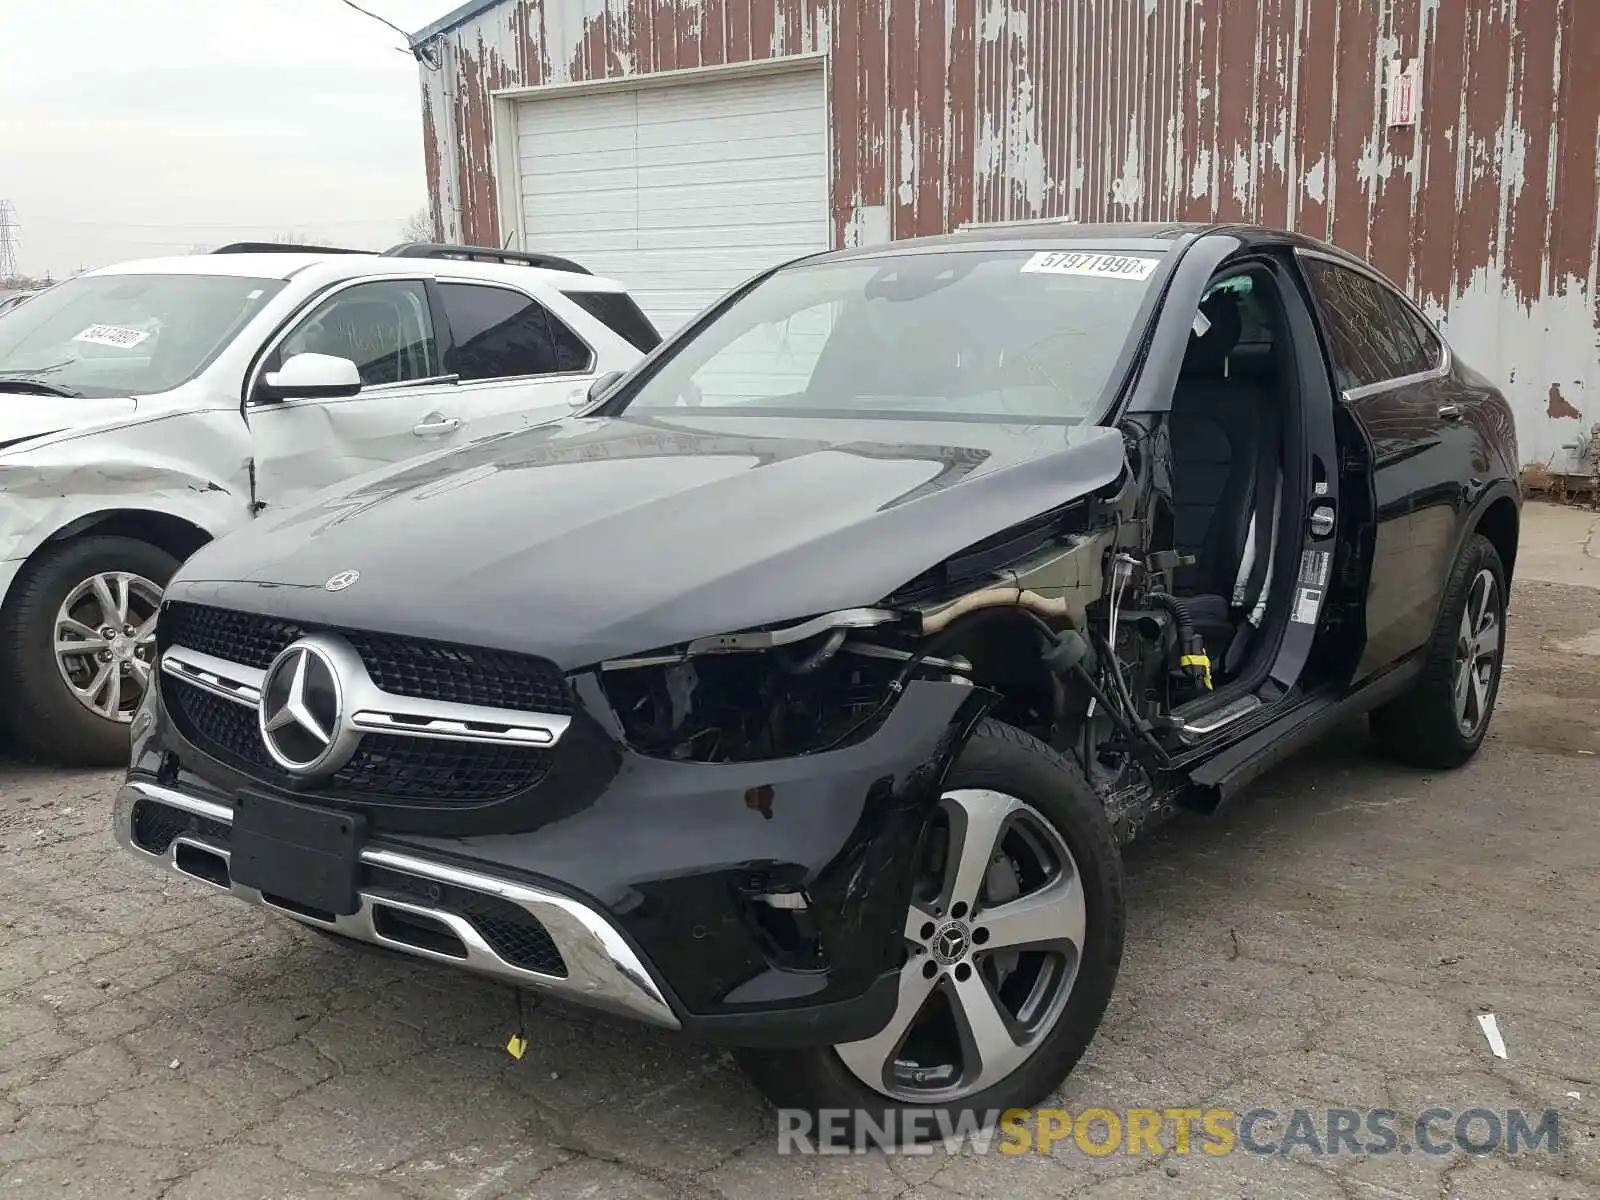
(282, 248)
(489, 254)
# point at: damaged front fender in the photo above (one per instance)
(65, 486)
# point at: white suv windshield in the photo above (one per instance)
(965, 335)
(125, 335)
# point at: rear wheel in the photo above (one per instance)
(77, 647)
(1013, 939)
(1442, 721)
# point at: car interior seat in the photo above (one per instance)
(1226, 436)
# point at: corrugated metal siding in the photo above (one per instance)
(947, 111)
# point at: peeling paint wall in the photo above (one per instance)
(947, 111)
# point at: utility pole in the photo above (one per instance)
(8, 241)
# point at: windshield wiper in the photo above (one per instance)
(32, 371)
(42, 386)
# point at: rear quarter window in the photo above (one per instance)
(618, 313)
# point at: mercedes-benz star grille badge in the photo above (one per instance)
(316, 701)
(338, 583)
(302, 709)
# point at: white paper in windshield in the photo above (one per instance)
(1098, 265)
(119, 336)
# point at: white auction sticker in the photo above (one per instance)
(113, 335)
(1099, 265)
(1308, 601)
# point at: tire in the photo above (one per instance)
(45, 717)
(1055, 807)
(1434, 725)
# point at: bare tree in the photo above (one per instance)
(420, 227)
(291, 239)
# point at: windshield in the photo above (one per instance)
(126, 335)
(962, 335)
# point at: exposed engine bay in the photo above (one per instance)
(1078, 637)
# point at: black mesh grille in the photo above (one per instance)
(459, 675)
(407, 768)
(513, 933)
(402, 666)
(386, 767)
(219, 727)
(156, 825)
(237, 637)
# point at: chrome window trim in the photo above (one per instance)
(1446, 357)
(594, 356)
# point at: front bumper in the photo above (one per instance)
(751, 904)
(600, 970)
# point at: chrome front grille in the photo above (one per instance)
(410, 722)
(413, 667)
(385, 767)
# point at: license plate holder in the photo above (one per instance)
(308, 856)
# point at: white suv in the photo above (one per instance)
(150, 407)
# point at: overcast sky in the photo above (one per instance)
(136, 129)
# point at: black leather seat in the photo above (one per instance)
(1226, 440)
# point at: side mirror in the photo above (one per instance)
(312, 377)
(603, 385)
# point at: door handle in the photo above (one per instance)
(1450, 412)
(436, 425)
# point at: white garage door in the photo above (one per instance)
(680, 191)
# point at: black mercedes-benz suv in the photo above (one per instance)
(799, 691)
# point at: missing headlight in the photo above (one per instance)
(802, 698)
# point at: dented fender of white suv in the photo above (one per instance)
(191, 465)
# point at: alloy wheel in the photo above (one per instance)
(1477, 656)
(993, 938)
(105, 642)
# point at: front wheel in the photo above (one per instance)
(1012, 942)
(1442, 720)
(77, 647)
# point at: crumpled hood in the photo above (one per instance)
(24, 416)
(598, 537)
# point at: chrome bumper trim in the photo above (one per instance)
(602, 970)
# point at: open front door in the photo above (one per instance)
(1314, 520)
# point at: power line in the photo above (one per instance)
(381, 20)
(410, 48)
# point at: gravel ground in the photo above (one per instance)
(1327, 941)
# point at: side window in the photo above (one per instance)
(1427, 350)
(1373, 336)
(384, 328)
(500, 334)
(618, 313)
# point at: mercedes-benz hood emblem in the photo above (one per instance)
(302, 702)
(338, 583)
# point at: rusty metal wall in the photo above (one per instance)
(946, 111)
